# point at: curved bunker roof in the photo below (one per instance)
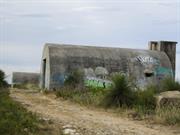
(145, 66)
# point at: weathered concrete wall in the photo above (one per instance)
(98, 63)
(24, 77)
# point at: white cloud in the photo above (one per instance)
(87, 9)
(60, 28)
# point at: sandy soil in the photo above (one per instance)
(86, 121)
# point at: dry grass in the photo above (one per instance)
(168, 115)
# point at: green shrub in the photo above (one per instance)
(65, 92)
(14, 119)
(86, 96)
(96, 90)
(74, 79)
(121, 93)
(169, 84)
(146, 98)
(3, 83)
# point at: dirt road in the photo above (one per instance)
(86, 121)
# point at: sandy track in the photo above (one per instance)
(86, 121)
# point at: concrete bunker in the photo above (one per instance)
(98, 63)
(25, 78)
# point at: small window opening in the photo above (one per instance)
(148, 73)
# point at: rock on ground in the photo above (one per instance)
(168, 98)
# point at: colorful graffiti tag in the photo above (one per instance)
(96, 82)
(97, 77)
(164, 71)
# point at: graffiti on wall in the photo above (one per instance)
(151, 70)
(97, 82)
(146, 60)
(97, 77)
(58, 78)
(100, 72)
(92, 77)
(142, 68)
(162, 72)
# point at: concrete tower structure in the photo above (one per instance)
(169, 47)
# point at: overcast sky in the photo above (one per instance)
(26, 25)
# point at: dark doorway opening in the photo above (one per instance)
(44, 73)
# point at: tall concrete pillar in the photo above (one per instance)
(169, 47)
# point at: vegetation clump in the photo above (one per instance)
(120, 93)
(85, 96)
(26, 86)
(3, 83)
(169, 84)
(75, 79)
(14, 119)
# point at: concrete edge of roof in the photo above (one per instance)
(49, 45)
